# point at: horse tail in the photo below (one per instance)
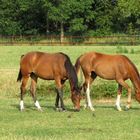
(19, 76)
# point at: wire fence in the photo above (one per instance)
(69, 40)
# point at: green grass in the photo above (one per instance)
(105, 124)
(10, 55)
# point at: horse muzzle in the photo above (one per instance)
(76, 109)
(138, 97)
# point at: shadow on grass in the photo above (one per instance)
(114, 107)
(44, 107)
(104, 106)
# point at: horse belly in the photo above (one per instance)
(106, 73)
(45, 76)
(45, 73)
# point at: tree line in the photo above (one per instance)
(69, 17)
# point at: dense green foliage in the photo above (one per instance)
(74, 17)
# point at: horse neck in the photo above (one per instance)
(73, 80)
(135, 78)
(73, 85)
(72, 76)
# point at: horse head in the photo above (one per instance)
(138, 96)
(76, 97)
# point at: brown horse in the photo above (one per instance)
(110, 67)
(47, 66)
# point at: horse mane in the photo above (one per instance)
(132, 64)
(72, 76)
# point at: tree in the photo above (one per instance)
(57, 12)
(74, 17)
(82, 15)
(31, 17)
(130, 15)
(69, 16)
(9, 13)
(104, 13)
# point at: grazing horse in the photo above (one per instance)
(110, 67)
(47, 66)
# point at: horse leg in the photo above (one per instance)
(57, 100)
(88, 102)
(33, 90)
(88, 82)
(125, 85)
(23, 90)
(59, 93)
(57, 96)
(118, 97)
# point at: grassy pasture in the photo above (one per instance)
(104, 124)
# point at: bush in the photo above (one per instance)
(132, 51)
(121, 49)
(105, 89)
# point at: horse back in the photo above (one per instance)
(44, 65)
(107, 66)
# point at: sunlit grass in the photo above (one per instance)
(106, 123)
(10, 55)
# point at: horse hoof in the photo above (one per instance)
(85, 106)
(119, 109)
(21, 109)
(60, 109)
(92, 109)
(63, 110)
(126, 108)
(57, 108)
(39, 109)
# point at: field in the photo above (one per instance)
(106, 123)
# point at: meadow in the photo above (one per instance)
(106, 123)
